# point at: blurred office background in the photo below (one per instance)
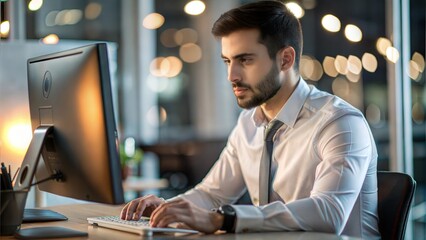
(170, 89)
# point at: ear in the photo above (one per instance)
(286, 57)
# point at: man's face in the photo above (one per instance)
(254, 76)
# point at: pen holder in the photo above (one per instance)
(12, 210)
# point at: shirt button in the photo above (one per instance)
(256, 201)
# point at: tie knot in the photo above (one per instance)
(271, 129)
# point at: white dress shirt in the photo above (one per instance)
(325, 163)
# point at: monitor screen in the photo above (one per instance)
(75, 136)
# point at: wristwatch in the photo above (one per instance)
(229, 215)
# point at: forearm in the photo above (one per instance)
(198, 197)
(301, 215)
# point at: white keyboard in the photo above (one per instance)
(139, 227)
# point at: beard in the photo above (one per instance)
(262, 92)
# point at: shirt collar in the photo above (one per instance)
(290, 111)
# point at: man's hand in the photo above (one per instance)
(186, 213)
(139, 207)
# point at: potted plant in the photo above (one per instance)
(130, 156)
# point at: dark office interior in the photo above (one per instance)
(181, 119)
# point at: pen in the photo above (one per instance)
(2, 186)
(5, 176)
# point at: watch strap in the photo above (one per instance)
(229, 215)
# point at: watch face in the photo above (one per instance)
(227, 209)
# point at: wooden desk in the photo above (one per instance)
(77, 214)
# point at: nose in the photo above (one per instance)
(234, 72)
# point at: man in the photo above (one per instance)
(324, 156)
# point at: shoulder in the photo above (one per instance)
(329, 106)
(336, 116)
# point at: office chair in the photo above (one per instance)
(395, 194)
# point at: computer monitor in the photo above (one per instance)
(75, 139)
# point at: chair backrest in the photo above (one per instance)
(395, 194)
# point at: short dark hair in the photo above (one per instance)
(278, 26)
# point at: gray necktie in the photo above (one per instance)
(265, 162)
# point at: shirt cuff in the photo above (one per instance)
(249, 218)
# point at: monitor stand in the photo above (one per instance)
(32, 215)
(24, 181)
(48, 232)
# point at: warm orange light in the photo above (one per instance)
(341, 64)
(369, 62)
(51, 39)
(18, 137)
(93, 10)
(166, 67)
(190, 52)
(153, 21)
(382, 44)
(329, 68)
(4, 28)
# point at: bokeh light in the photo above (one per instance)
(369, 62)
(373, 114)
(163, 115)
(195, 7)
(92, 11)
(382, 44)
(296, 9)
(157, 84)
(65, 17)
(153, 21)
(331, 23)
(167, 37)
(174, 66)
(50, 39)
(4, 28)
(152, 116)
(340, 87)
(329, 68)
(166, 66)
(354, 64)
(419, 60)
(35, 5)
(413, 70)
(190, 52)
(353, 77)
(341, 64)
(310, 68)
(392, 54)
(353, 33)
(186, 35)
(418, 113)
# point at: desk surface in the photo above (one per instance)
(77, 214)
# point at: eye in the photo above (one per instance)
(245, 60)
(226, 61)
